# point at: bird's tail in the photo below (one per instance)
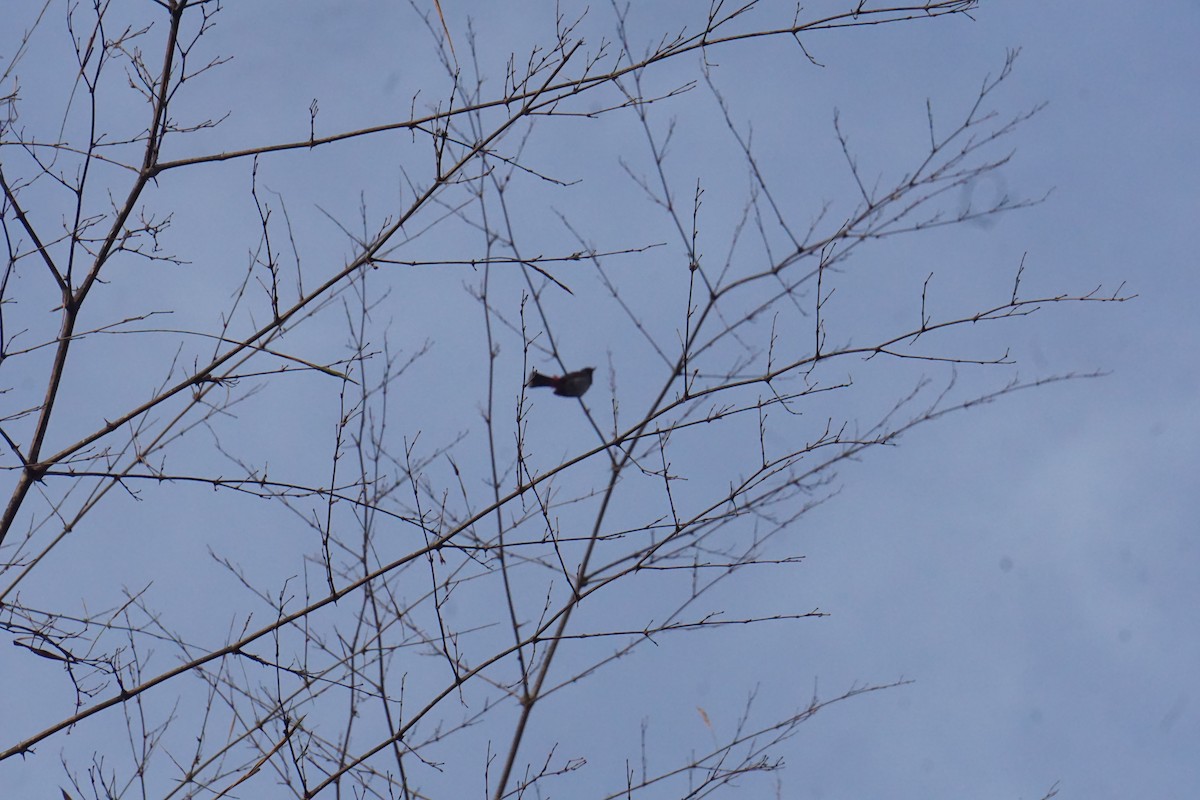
(537, 379)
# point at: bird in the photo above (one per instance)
(573, 384)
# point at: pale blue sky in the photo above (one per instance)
(1031, 565)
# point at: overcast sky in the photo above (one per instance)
(1030, 565)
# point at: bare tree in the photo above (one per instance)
(445, 560)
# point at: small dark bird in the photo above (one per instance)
(573, 384)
